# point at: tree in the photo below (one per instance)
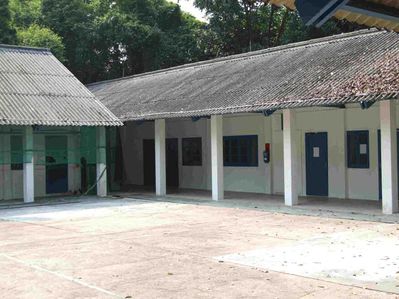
(37, 36)
(7, 32)
(138, 36)
(73, 21)
(246, 25)
(25, 12)
(105, 39)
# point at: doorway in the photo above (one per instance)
(149, 163)
(56, 164)
(172, 162)
(316, 164)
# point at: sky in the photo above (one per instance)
(188, 6)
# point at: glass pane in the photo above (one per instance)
(16, 153)
(192, 151)
(234, 152)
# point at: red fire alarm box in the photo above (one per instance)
(266, 153)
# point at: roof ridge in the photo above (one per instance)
(25, 47)
(311, 42)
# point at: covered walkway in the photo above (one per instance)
(366, 210)
(297, 119)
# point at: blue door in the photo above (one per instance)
(316, 164)
(56, 164)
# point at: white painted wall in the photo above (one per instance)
(132, 135)
(269, 178)
(193, 177)
(248, 179)
(244, 179)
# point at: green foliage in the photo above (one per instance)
(245, 25)
(105, 39)
(135, 36)
(37, 36)
(7, 33)
(73, 21)
(25, 12)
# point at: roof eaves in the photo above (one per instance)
(301, 103)
(25, 48)
(51, 123)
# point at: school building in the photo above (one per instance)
(315, 118)
(52, 128)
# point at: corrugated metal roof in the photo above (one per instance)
(37, 89)
(353, 67)
(362, 19)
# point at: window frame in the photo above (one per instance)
(254, 150)
(357, 164)
(191, 163)
(13, 164)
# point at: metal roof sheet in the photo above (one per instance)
(359, 66)
(37, 89)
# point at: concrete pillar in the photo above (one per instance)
(160, 157)
(290, 159)
(217, 157)
(101, 162)
(29, 178)
(389, 157)
(268, 135)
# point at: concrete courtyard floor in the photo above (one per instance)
(144, 248)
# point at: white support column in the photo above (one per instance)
(290, 159)
(268, 135)
(389, 157)
(29, 178)
(101, 162)
(160, 157)
(217, 157)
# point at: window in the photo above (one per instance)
(240, 150)
(358, 149)
(192, 151)
(16, 153)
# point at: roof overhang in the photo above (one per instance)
(365, 71)
(373, 13)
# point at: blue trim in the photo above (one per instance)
(249, 143)
(317, 12)
(353, 143)
(366, 104)
(269, 112)
(324, 17)
(197, 118)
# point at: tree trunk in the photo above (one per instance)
(269, 35)
(248, 18)
(282, 27)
